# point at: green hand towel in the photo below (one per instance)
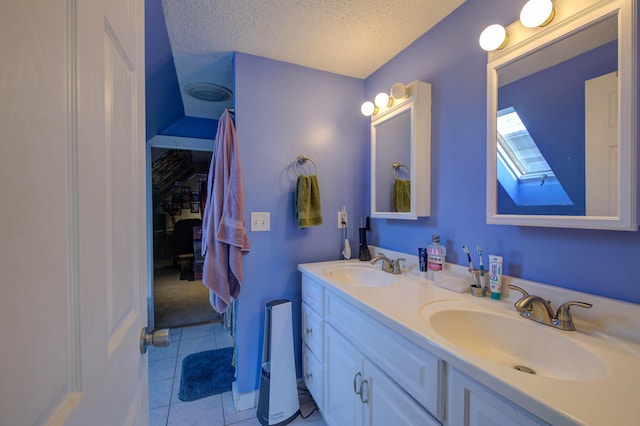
(401, 199)
(308, 208)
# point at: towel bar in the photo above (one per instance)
(396, 165)
(303, 158)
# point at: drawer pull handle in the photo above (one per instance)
(308, 331)
(364, 398)
(308, 376)
(357, 384)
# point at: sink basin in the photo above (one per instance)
(360, 275)
(515, 342)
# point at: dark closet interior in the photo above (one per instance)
(178, 180)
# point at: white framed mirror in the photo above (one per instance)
(401, 156)
(561, 131)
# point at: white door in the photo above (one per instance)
(72, 265)
(601, 145)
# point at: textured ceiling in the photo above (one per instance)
(347, 37)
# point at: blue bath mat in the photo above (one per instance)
(206, 373)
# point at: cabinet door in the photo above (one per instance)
(313, 376)
(387, 404)
(471, 404)
(343, 373)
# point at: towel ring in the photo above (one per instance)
(396, 166)
(303, 158)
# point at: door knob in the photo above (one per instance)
(157, 338)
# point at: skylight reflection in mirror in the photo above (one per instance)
(518, 149)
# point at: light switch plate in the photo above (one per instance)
(260, 221)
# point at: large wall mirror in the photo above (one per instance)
(401, 156)
(561, 141)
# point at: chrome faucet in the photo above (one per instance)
(388, 265)
(537, 309)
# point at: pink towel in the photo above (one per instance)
(223, 229)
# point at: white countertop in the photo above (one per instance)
(611, 330)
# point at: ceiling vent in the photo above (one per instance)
(208, 92)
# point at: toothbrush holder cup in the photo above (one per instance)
(479, 285)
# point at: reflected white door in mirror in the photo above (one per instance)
(401, 153)
(561, 130)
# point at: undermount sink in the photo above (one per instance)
(360, 275)
(514, 342)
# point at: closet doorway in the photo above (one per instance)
(177, 182)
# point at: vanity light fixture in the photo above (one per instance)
(368, 109)
(493, 37)
(399, 91)
(383, 100)
(537, 13)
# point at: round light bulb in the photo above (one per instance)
(537, 13)
(367, 109)
(399, 91)
(493, 37)
(382, 100)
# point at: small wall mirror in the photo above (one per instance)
(401, 156)
(562, 115)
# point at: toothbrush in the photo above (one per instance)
(479, 250)
(466, 250)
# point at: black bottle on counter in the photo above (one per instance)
(365, 254)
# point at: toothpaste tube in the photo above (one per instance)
(495, 276)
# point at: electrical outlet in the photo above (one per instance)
(342, 219)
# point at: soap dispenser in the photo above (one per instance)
(365, 254)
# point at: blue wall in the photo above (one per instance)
(283, 110)
(163, 99)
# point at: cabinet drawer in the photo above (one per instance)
(413, 368)
(313, 294)
(313, 374)
(312, 330)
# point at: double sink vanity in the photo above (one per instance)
(381, 348)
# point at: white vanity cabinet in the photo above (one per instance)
(379, 356)
(471, 404)
(359, 371)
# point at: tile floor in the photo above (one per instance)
(165, 368)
